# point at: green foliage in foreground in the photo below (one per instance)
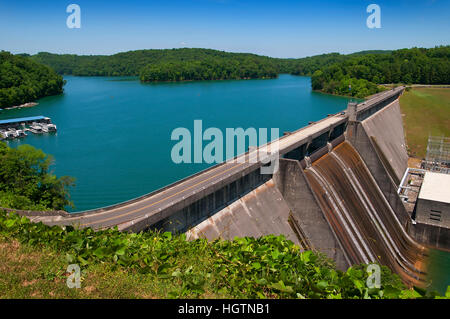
(26, 181)
(23, 80)
(267, 267)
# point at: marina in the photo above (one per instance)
(18, 127)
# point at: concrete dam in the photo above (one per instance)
(361, 217)
(335, 192)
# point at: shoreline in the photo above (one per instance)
(29, 104)
(339, 95)
(181, 81)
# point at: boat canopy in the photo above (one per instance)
(23, 119)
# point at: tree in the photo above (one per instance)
(365, 71)
(27, 183)
(23, 80)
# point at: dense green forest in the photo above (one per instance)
(334, 74)
(23, 80)
(165, 65)
(209, 69)
(331, 73)
(27, 183)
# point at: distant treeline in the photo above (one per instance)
(23, 80)
(334, 73)
(209, 69)
(165, 65)
(331, 73)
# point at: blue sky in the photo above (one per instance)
(274, 28)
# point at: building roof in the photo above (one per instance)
(22, 119)
(435, 187)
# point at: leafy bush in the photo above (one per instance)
(26, 181)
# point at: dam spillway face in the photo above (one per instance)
(385, 129)
(365, 224)
(262, 211)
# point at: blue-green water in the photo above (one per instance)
(439, 270)
(114, 134)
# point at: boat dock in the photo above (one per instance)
(17, 127)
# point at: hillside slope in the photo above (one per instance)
(23, 80)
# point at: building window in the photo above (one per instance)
(435, 215)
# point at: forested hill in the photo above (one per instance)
(23, 80)
(331, 73)
(164, 65)
(335, 73)
(209, 69)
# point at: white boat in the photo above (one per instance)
(36, 128)
(48, 128)
(12, 133)
(21, 133)
(51, 127)
(44, 128)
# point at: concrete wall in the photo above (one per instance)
(191, 211)
(385, 128)
(377, 102)
(357, 136)
(432, 227)
(306, 213)
(261, 212)
(30, 213)
(431, 235)
(433, 213)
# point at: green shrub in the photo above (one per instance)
(26, 181)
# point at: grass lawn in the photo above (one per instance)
(37, 272)
(426, 111)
